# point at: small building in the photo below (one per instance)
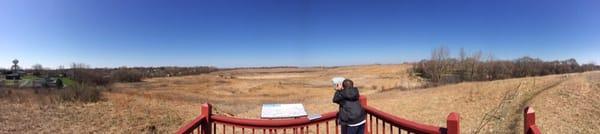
(14, 75)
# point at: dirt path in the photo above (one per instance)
(515, 117)
(506, 116)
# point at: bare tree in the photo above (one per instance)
(473, 65)
(38, 69)
(462, 54)
(442, 68)
(439, 63)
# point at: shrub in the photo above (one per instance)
(126, 75)
(81, 93)
(89, 77)
(82, 74)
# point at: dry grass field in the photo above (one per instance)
(563, 103)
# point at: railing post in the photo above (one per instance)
(207, 112)
(453, 123)
(363, 102)
(528, 118)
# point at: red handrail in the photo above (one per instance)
(189, 128)
(200, 122)
(402, 123)
(262, 123)
(206, 123)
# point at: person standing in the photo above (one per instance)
(351, 115)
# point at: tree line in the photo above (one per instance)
(442, 68)
(83, 73)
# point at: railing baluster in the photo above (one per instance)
(336, 127)
(317, 128)
(376, 125)
(306, 129)
(370, 124)
(383, 127)
(327, 127)
(198, 130)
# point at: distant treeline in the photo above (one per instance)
(442, 68)
(102, 76)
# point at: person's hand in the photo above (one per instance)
(338, 87)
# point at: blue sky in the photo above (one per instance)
(224, 33)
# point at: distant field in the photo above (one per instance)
(564, 104)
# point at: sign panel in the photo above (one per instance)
(274, 111)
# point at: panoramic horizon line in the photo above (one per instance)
(278, 66)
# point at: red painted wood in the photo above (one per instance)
(202, 123)
(376, 125)
(528, 118)
(402, 123)
(363, 102)
(533, 129)
(200, 120)
(317, 128)
(453, 123)
(370, 124)
(383, 128)
(327, 127)
(263, 123)
(337, 131)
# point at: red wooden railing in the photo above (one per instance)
(377, 122)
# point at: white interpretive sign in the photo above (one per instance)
(274, 111)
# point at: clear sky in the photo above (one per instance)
(222, 33)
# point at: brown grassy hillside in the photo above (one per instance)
(165, 104)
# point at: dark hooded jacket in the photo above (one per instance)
(350, 110)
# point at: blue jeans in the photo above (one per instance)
(353, 130)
